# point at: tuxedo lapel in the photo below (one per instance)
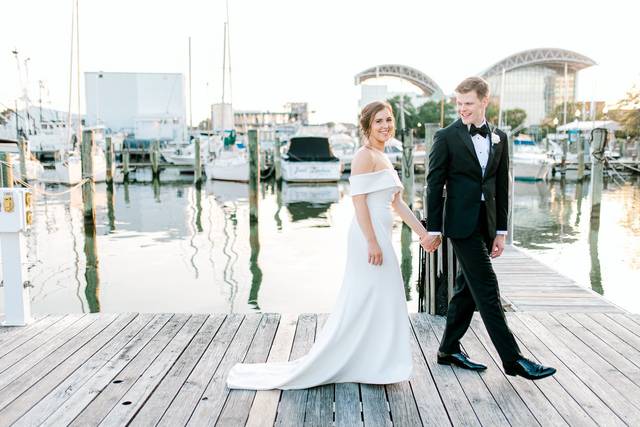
(463, 133)
(492, 148)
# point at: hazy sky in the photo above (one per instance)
(300, 50)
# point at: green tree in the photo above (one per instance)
(492, 113)
(628, 112)
(514, 117)
(429, 112)
(4, 116)
(410, 114)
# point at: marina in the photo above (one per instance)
(163, 218)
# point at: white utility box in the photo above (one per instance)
(16, 214)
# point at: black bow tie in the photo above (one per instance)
(482, 130)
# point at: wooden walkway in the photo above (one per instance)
(170, 369)
(529, 285)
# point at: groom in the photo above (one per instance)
(472, 160)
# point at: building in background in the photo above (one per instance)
(537, 81)
(145, 106)
(429, 89)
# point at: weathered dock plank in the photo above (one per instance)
(170, 369)
(101, 379)
(182, 406)
(293, 402)
(210, 405)
(265, 404)
(572, 383)
(164, 394)
(236, 409)
(48, 391)
(110, 395)
(133, 400)
(75, 372)
(455, 401)
(530, 285)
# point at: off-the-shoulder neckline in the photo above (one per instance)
(371, 173)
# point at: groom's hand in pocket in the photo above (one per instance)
(498, 246)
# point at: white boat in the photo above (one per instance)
(228, 165)
(310, 159)
(530, 161)
(344, 147)
(69, 168)
(310, 193)
(34, 167)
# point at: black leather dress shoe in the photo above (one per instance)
(528, 369)
(460, 360)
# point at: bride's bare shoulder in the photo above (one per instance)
(363, 161)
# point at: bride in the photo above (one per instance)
(366, 337)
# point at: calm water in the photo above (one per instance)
(171, 248)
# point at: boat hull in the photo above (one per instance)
(311, 171)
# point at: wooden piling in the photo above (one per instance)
(91, 273)
(254, 175)
(125, 164)
(197, 166)
(512, 184)
(22, 145)
(563, 161)
(598, 144)
(110, 159)
(580, 146)
(277, 159)
(7, 170)
(407, 169)
(88, 187)
(155, 159)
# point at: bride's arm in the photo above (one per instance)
(363, 163)
(407, 216)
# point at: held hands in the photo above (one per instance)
(430, 242)
(375, 253)
(498, 246)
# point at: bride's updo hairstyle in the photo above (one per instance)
(369, 112)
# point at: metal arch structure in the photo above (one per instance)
(428, 86)
(547, 56)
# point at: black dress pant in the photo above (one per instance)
(476, 285)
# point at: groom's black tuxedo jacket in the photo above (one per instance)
(453, 162)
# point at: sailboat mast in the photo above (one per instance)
(224, 70)
(73, 23)
(78, 70)
(190, 97)
(228, 49)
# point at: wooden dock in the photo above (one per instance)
(170, 369)
(529, 285)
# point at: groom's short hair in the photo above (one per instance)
(478, 84)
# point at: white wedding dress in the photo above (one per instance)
(366, 337)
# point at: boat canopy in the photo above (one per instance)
(310, 149)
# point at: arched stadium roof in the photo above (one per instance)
(418, 78)
(555, 58)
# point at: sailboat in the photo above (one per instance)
(231, 163)
(68, 164)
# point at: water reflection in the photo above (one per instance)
(406, 263)
(177, 247)
(542, 213)
(310, 201)
(91, 275)
(254, 267)
(110, 207)
(594, 273)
